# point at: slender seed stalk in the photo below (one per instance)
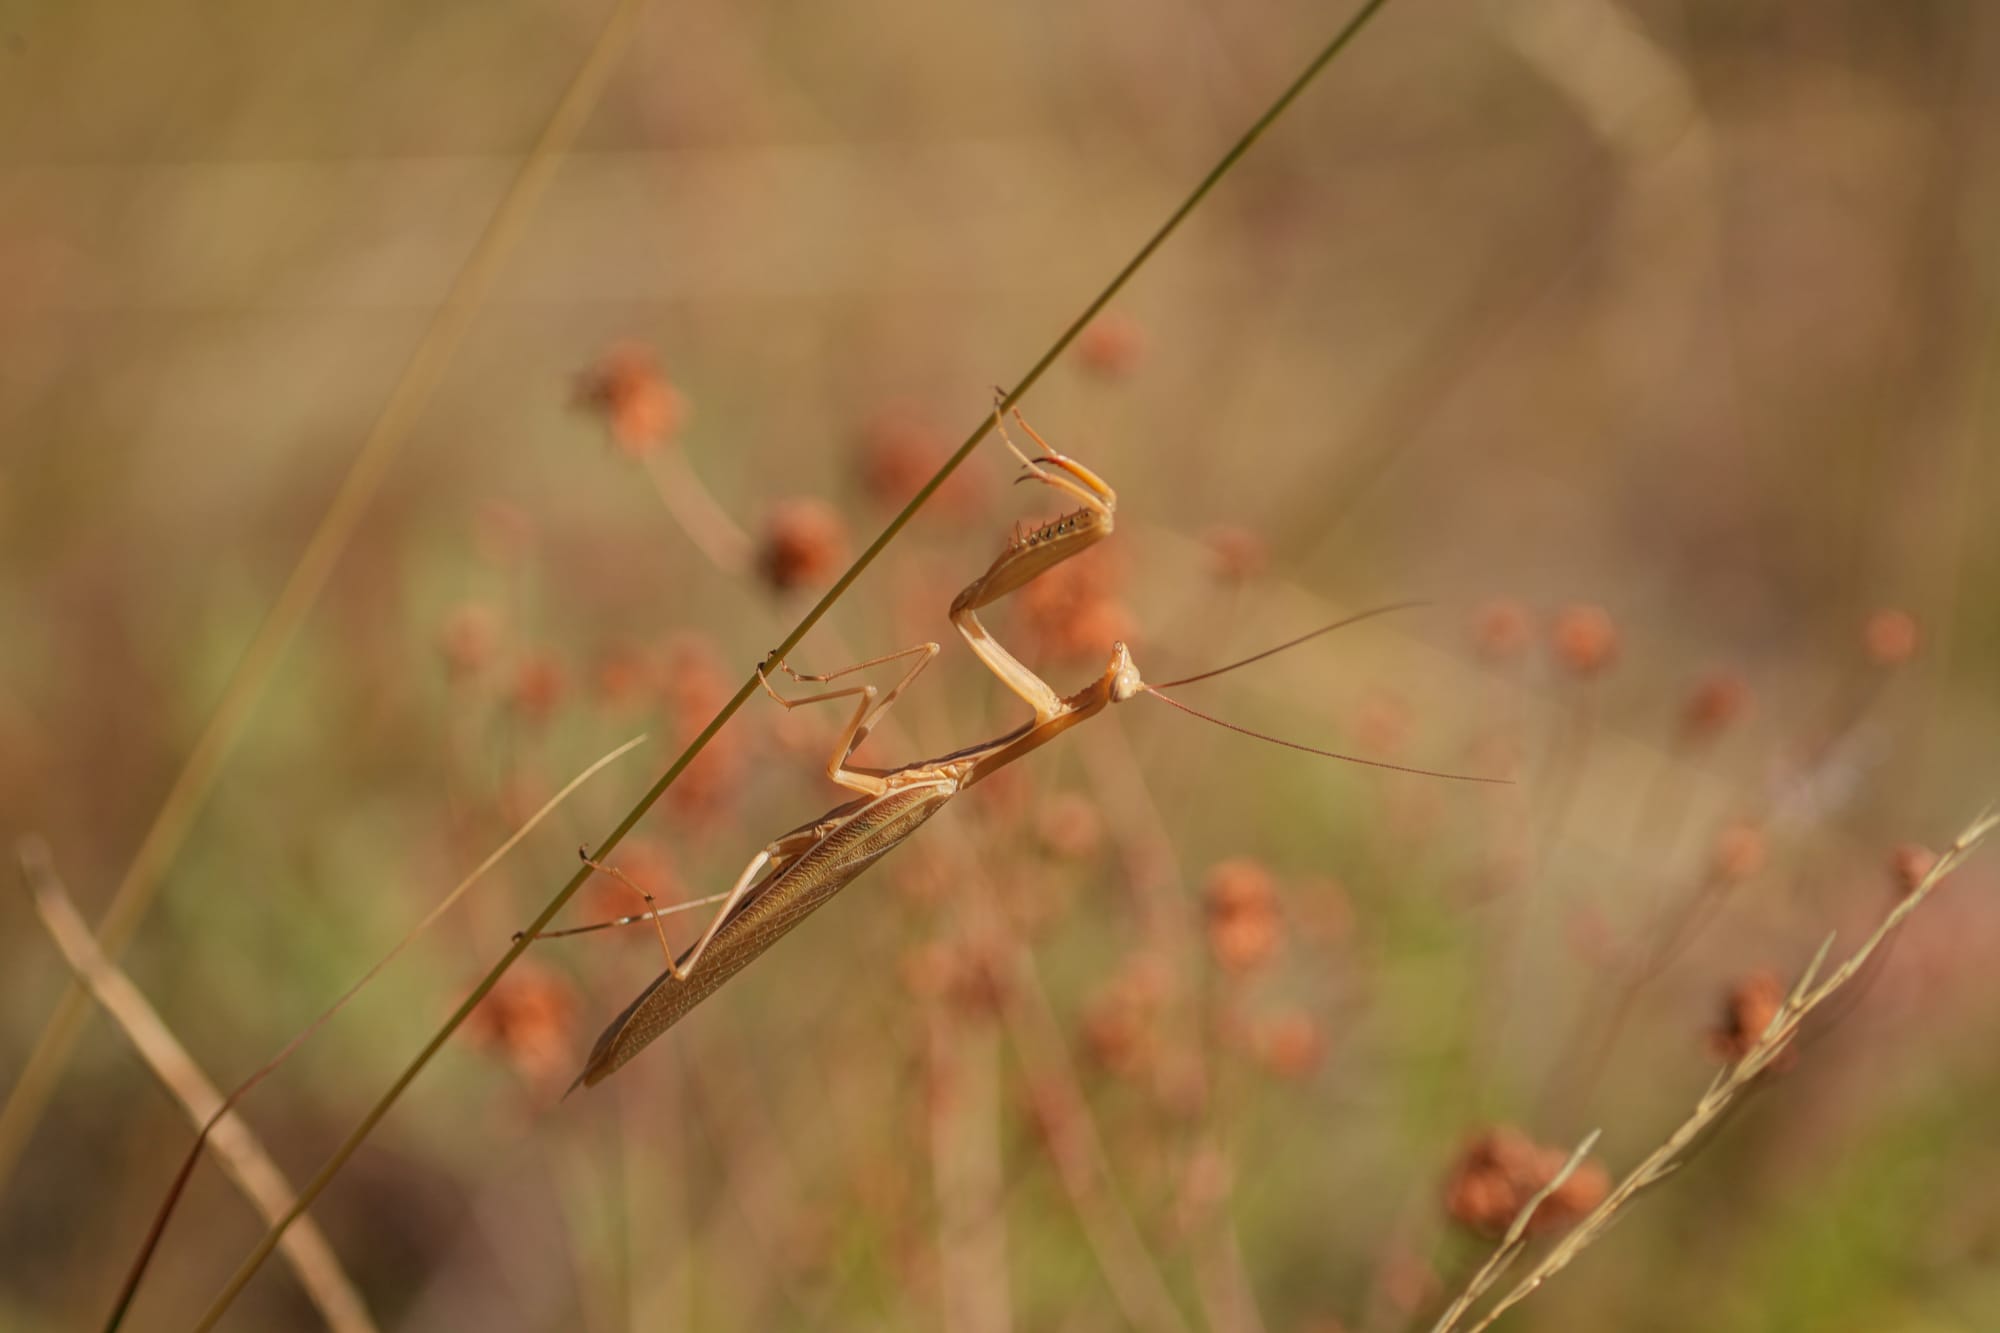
(1229, 159)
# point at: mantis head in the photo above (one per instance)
(1121, 676)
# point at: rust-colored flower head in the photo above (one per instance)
(624, 676)
(804, 545)
(1501, 630)
(897, 454)
(981, 978)
(1119, 1031)
(1113, 345)
(470, 633)
(1242, 902)
(1717, 701)
(1747, 1010)
(1055, 1118)
(528, 1018)
(1236, 555)
(1584, 639)
(1908, 864)
(1069, 827)
(1288, 1043)
(640, 408)
(1074, 608)
(1499, 1169)
(1116, 1033)
(1740, 852)
(538, 686)
(1891, 637)
(696, 686)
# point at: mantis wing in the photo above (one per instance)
(780, 901)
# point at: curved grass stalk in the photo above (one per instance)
(134, 895)
(381, 1108)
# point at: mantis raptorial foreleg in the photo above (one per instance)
(866, 713)
(1031, 554)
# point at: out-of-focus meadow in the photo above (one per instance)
(1652, 345)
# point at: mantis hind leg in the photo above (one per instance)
(1031, 554)
(870, 706)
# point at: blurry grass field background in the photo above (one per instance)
(1680, 311)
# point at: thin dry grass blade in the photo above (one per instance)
(242, 1157)
(1723, 1093)
(173, 1195)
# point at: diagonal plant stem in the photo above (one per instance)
(348, 1146)
(1727, 1089)
(30, 1095)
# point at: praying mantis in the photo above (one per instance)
(802, 870)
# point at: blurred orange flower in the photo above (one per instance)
(528, 1018)
(1746, 1012)
(1112, 346)
(804, 545)
(1891, 637)
(1242, 902)
(640, 408)
(1584, 639)
(1499, 1169)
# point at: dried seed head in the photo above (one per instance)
(1499, 1169)
(639, 407)
(1116, 1034)
(1717, 701)
(1242, 903)
(528, 1018)
(624, 676)
(1908, 864)
(1891, 637)
(1112, 346)
(804, 545)
(468, 637)
(1501, 630)
(1074, 608)
(1236, 555)
(696, 687)
(896, 456)
(1288, 1043)
(1740, 852)
(1069, 827)
(981, 978)
(1119, 1020)
(538, 686)
(1584, 639)
(1055, 1119)
(1746, 1012)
